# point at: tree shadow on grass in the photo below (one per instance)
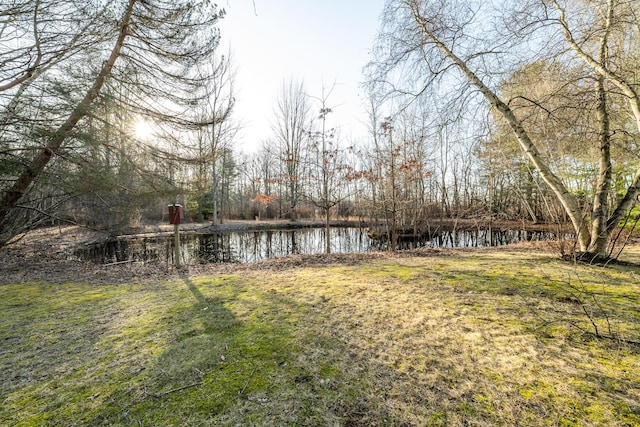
(193, 288)
(177, 382)
(95, 355)
(193, 351)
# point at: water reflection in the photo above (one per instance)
(258, 245)
(251, 246)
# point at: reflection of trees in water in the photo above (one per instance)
(251, 246)
(215, 247)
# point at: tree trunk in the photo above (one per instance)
(214, 195)
(599, 231)
(327, 227)
(627, 89)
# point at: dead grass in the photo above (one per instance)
(473, 337)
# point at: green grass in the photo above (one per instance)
(468, 338)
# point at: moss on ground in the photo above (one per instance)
(469, 338)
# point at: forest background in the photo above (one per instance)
(511, 111)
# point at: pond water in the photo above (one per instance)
(251, 246)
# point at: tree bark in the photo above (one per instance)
(599, 232)
(214, 194)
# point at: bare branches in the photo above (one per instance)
(290, 126)
(32, 68)
(460, 49)
(602, 69)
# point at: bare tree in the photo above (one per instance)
(220, 130)
(445, 42)
(290, 126)
(604, 53)
(327, 167)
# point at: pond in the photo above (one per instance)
(251, 246)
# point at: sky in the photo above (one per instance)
(322, 42)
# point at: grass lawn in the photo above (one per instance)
(483, 338)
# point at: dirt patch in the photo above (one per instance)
(44, 255)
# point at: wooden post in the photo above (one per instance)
(175, 217)
(176, 244)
